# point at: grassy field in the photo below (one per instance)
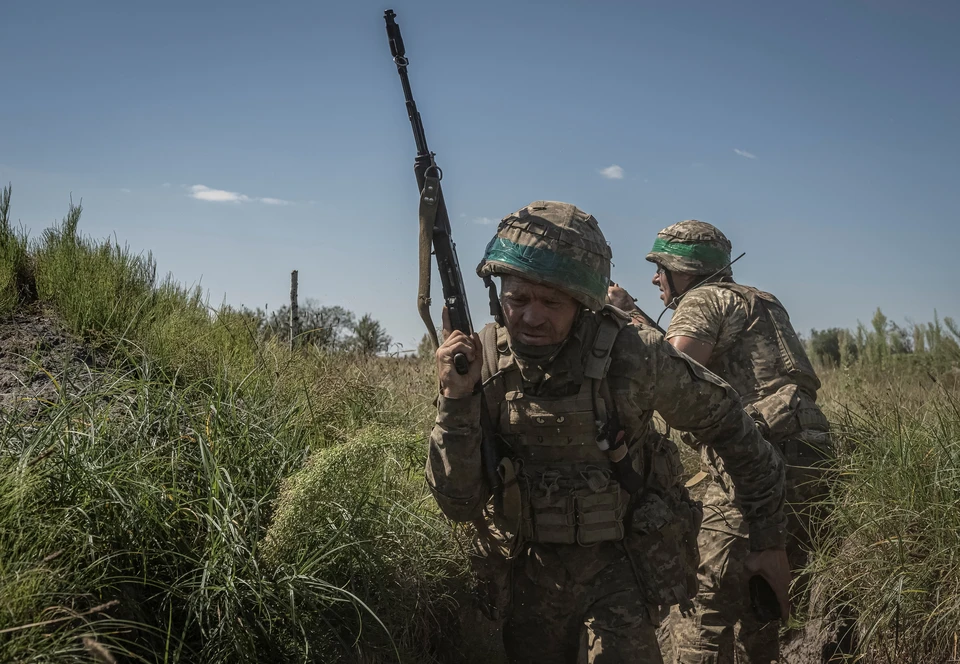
(175, 488)
(191, 492)
(891, 548)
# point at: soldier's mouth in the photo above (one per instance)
(533, 338)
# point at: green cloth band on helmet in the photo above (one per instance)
(700, 252)
(548, 266)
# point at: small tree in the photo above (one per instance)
(325, 327)
(369, 337)
(825, 346)
(426, 350)
(848, 349)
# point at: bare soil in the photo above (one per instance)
(38, 358)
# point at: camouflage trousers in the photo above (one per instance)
(578, 605)
(723, 629)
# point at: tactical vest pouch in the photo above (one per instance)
(549, 514)
(663, 544)
(600, 515)
(787, 412)
(776, 414)
(810, 416)
(796, 364)
(556, 513)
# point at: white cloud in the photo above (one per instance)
(744, 153)
(125, 190)
(205, 193)
(485, 221)
(613, 172)
(166, 185)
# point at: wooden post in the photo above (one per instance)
(294, 310)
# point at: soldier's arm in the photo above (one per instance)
(693, 348)
(454, 467)
(654, 375)
(454, 462)
(704, 317)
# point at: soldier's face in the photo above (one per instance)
(680, 280)
(535, 314)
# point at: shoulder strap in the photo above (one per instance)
(598, 360)
(488, 339)
(493, 338)
(598, 363)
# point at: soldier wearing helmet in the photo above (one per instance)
(575, 556)
(743, 335)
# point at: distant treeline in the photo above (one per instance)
(885, 342)
(330, 328)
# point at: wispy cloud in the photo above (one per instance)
(205, 193)
(485, 221)
(166, 185)
(744, 153)
(125, 190)
(613, 172)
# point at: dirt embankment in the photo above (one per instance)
(38, 357)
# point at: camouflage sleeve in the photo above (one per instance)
(713, 315)
(650, 374)
(454, 467)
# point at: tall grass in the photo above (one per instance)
(201, 494)
(136, 505)
(16, 283)
(891, 548)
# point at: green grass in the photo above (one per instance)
(891, 549)
(15, 273)
(231, 500)
(203, 494)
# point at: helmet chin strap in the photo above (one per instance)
(676, 296)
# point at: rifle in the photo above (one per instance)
(643, 314)
(435, 231)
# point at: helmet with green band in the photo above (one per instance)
(556, 244)
(693, 247)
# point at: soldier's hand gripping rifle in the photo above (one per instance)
(435, 233)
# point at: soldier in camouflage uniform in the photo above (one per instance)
(743, 335)
(578, 565)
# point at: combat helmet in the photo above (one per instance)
(555, 244)
(694, 247)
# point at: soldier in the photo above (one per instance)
(586, 564)
(744, 336)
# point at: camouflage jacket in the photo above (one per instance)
(757, 351)
(645, 374)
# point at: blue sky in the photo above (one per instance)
(821, 137)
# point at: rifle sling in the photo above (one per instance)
(429, 199)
